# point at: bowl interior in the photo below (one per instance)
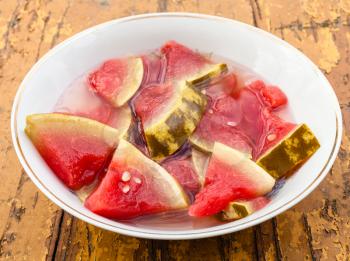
(311, 100)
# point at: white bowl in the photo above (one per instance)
(311, 100)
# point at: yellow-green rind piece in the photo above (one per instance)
(206, 74)
(287, 155)
(237, 210)
(168, 134)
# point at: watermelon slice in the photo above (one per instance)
(230, 176)
(75, 148)
(243, 208)
(185, 64)
(135, 185)
(184, 171)
(169, 114)
(220, 123)
(244, 119)
(117, 80)
(290, 152)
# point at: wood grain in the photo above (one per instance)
(32, 228)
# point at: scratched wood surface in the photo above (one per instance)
(33, 228)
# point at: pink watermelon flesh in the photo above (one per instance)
(117, 80)
(183, 170)
(230, 176)
(110, 201)
(181, 61)
(108, 79)
(76, 156)
(75, 160)
(154, 69)
(244, 119)
(150, 101)
(147, 189)
(226, 85)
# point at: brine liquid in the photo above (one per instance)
(79, 99)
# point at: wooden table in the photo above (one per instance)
(33, 228)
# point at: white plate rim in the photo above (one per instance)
(172, 235)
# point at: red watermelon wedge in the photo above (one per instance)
(75, 148)
(186, 64)
(135, 185)
(230, 176)
(117, 80)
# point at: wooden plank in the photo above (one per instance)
(8, 160)
(314, 229)
(29, 219)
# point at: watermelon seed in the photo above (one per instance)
(126, 176)
(271, 137)
(137, 180)
(232, 123)
(126, 189)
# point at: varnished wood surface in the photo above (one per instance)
(33, 228)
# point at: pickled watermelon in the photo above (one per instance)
(170, 108)
(230, 176)
(75, 148)
(135, 185)
(117, 80)
(169, 114)
(243, 208)
(290, 152)
(244, 119)
(186, 64)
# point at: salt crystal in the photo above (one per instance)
(204, 92)
(210, 111)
